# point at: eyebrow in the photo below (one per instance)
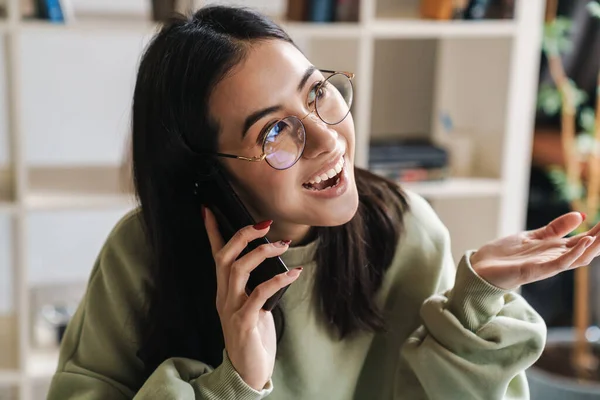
(257, 115)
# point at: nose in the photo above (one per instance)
(320, 137)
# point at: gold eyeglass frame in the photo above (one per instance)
(348, 75)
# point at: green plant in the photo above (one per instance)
(582, 148)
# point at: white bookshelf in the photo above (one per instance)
(63, 133)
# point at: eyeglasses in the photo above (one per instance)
(284, 140)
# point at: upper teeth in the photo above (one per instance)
(337, 168)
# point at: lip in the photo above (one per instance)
(326, 167)
(332, 192)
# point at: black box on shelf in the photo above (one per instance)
(408, 160)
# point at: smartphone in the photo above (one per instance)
(232, 215)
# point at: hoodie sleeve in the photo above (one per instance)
(476, 340)
(98, 352)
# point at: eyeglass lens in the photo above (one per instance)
(284, 143)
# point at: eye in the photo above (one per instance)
(272, 130)
(316, 91)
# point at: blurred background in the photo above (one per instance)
(455, 100)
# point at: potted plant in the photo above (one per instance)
(569, 367)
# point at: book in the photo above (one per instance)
(321, 10)
(50, 10)
(408, 160)
(297, 10)
(347, 11)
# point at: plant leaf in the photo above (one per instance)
(549, 99)
(566, 191)
(579, 96)
(594, 8)
(556, 36)
(587, 120)
(585, 143)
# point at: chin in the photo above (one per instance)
(341, 211)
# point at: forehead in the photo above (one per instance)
(268, 75)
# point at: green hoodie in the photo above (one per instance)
(450, 334)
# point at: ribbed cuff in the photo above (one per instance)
(232, 386)
(473, 300)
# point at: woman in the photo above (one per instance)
(380, 311)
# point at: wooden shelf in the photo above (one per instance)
(323, 30)
(457, 188)
(418, 29)
(42, 364)
(7, 206)
(380, 28)
(56, 188)
(91, 24)
(9, 377)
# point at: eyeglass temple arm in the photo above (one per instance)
(350, 75)
(260, 158)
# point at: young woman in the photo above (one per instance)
(379, 312)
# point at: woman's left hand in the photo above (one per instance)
(535, 255)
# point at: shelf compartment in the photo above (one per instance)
(8, 344)
(421, 29)
(456, 188)
(322, 30)
(94, 187)
(42, 364)
(9, 377)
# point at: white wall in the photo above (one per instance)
(64, 245)
(77, 92)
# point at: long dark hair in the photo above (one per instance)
(171, 124)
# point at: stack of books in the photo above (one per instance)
(323, 10)
(412, 160)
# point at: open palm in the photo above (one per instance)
(535, 255)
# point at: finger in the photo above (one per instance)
(567, 259)
(595, 231)
(212, 230)
(589, 254)
(265, 290)
(559, 227)
(232, 249)
(241, 269)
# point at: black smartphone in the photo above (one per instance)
(232, 215)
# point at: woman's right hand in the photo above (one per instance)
(249, 331)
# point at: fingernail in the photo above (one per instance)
(262, 225)
(282, 243)
(583, 215)
(294, 272)
(203, 212)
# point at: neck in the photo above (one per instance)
(298, 234)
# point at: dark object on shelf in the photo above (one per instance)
(347, 11)
(50, 10)
(297, 10)
(490, 9)
(162, 9)
(437, 9)
(408, 160)
(321, 10)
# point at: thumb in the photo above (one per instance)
(559, 227)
